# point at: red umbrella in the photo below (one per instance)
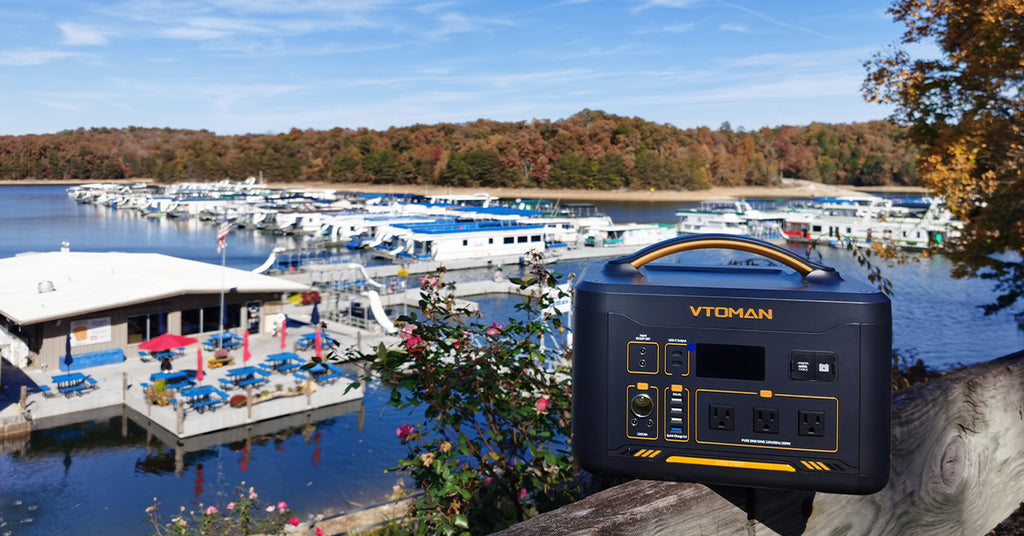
(166, 341)
(246, 354)
(284, 331)
(199, 371)
(318, 344)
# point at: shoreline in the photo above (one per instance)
(790, 189)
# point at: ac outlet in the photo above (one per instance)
(766, 420)
(811, 423)
(721, 417)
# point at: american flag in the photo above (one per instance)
(222, 236)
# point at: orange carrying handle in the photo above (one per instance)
(803, 266)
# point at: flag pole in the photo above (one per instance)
(223, 269)
(222, 248)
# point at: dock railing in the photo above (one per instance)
(957, 468)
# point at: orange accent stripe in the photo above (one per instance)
(640, 453)
(739, 464)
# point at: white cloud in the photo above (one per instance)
(739, 28)
(675, 28)
(664, 3)
(21, 58)
(192, 33)
(76, 34)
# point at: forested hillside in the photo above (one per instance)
(591, 149)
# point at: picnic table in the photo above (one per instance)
(158, 355)
(172, 380)
(244, 376)
(283, 362)
(321, 373)
(203, 397)
(69, 384)
(308, 340)
(222, 340)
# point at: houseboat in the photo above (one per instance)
(454, 240)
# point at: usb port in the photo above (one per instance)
(676, 409)
(675, 430)
(676, 420)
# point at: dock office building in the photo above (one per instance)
(108, 303)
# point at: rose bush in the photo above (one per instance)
(492, 449)
(242, 515)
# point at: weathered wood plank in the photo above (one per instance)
(957, 468)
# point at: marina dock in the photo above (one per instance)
(120, 385)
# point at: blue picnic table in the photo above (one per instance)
(172, 380)
(308, 340)
(321, 373)
(244, 376)
(203, 397)
(222, 340)
(72, 383)
(284, 361)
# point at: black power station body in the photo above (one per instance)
(737, 375)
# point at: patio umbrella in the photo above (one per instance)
(67, 352)
(284, 331)
(199, 370)
(314, 318)
(166, 341)
(246, 354)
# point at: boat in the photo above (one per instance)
(629, 234)
(925, 225)
(734, 217)
(454, 240)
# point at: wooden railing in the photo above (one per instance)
(957, 468)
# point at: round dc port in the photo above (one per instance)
(641, 405)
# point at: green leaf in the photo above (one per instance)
(462, 521)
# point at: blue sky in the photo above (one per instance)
(265, 66)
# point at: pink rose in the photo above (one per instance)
(294, 521)
(522, 493)
(495, 329)
(542, 404)
(231, 506)
(319, 531)
(407, 331)
(270, 508)
(404, 431)
(282, 506)
(211, 510)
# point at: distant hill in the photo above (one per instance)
(590, 150)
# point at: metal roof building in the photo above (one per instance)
(107, 302)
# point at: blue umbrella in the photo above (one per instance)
(315, 317)
(67, 352)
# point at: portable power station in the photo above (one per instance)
(738, 375)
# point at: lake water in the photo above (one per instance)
(51, 484)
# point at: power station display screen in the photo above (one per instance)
(730, 361)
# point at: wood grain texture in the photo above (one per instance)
(957, 469)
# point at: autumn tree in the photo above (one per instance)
(967, 109)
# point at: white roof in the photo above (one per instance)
(89, 282)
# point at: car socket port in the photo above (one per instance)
(811, 423)
(721, 417)
(766, 420)
(641, 405)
